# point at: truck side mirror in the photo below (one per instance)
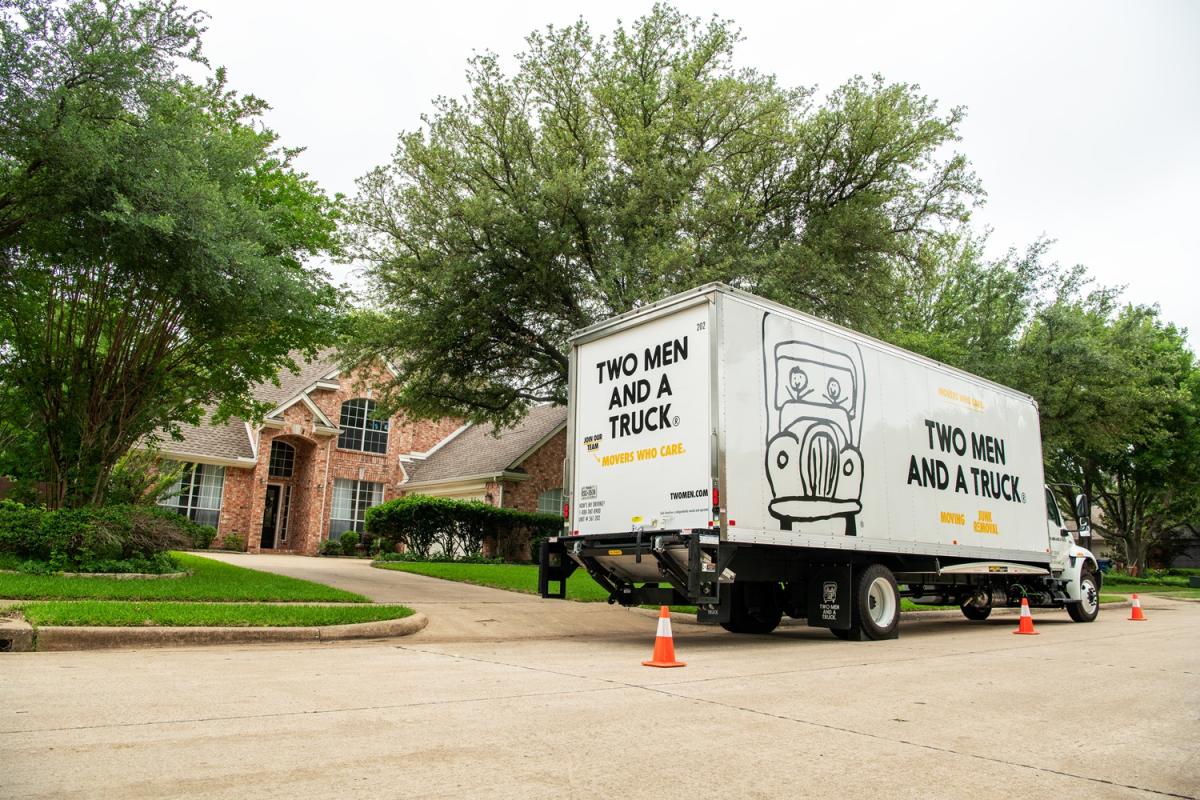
(1083, 513)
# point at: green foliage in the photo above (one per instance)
(141, 477)
(1119, 394)
(331, 547)
(108, 539)
(349, 542)
(605, 173)
(234, 542)
(153, 236)
(107, 613)
(456, 528)
(203, 536)
(206, 580)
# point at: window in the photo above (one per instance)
(550, 502)
(283, 460)
(351, 499)
(1052, 509)
(359, 430)
(197, 493)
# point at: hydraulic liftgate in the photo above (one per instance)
(695, 582)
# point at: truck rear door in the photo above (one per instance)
(642, 449)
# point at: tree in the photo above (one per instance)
(606, 173)
(1119, 395)
(153, 238)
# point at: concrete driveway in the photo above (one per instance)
(457, 611)
(951, 709)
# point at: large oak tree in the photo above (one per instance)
(607, 172)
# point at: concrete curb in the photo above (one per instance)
(62, 637)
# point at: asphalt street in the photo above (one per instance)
(511, 696)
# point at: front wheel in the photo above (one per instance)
(1088, 607)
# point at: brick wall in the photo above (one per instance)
(319, 462)
(544, 468)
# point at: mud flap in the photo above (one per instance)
(829, 597)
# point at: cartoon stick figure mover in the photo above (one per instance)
(815, 395)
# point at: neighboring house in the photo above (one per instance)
(319, 460)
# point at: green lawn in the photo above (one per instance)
(513, 577)
(209, 580)
(110, 613)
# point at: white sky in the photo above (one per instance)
(1083, 117)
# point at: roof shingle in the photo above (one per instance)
(475, 451)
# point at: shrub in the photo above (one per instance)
(20, 528)
(349, 542)
(93, 539)
(456, 528)
(331, 547)
(140, 478)
(234, 541)
(203, 536)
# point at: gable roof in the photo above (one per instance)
(291, 385)
(234, 441)
(206, 441)
(475, 452)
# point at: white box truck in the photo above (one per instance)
(731, 453)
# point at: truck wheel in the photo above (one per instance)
(875, 610)
(978, 606)
(755, 607)
(1088, 608)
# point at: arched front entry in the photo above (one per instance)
(285, 497)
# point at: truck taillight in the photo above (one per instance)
(716, 497)
(566, 510)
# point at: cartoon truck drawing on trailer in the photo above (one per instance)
(815, 398)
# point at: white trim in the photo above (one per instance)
(500, 475)
(216, 461)
(459, 489)
(419, 456)
(304, 398)
(252, 435)
(330, 385)
(540, 444)
(273, 423)
(321, 429)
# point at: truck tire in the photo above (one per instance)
(755, 607)
(1087, 609)
(875, 605)
(975, 610)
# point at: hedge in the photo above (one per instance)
(456, 528)
(117, 538)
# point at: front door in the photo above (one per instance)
(270, 517)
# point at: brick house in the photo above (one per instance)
(319, 459)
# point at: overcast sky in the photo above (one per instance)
(1083, 117)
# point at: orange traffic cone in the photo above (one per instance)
(1135, 613)
(1026, 624)
(664, 644)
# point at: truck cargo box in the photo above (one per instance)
(817, 436)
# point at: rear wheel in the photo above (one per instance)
(1088, 608)
(874, 606)
(977, 606)
(755, 607)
